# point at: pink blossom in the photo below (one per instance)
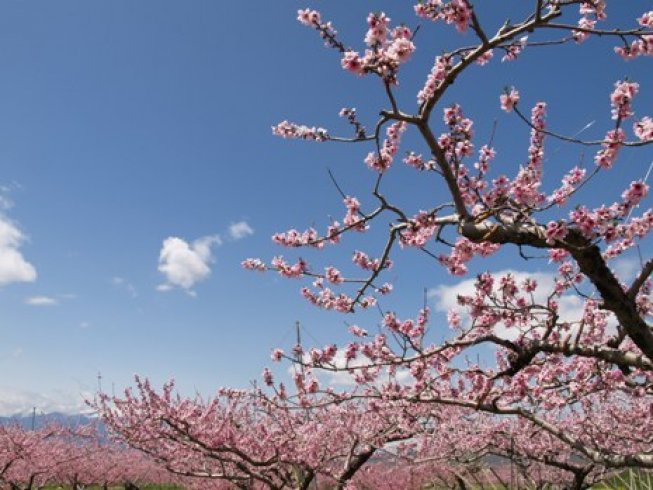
(290, 130)
(635, 193)
(333, 275)
(294, 238)
(440, 69)
(621, 99)
(416, 161)
(485, 57)
(594, 7)
(378, 29)
(401, 49)
(529, 285)
(362, 260)
(558, 254)
(352, 218)
(291, 271)
(419, 230)
(453, 318)
(276, 355)
(555, 230)
(509, 99)
(357, 331)
(644, 129)
(525, 187)
(610, 148)
(385, 288)
(352, 62)
(268, 379)
(583, 23)
(312, 386)
(383, 160)
(642, 46)
(253, 264)
(646, 20)
(515, 49)
(455, 12)
(310, 18)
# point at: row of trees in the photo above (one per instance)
(252, 441)
(566, 397)
(75, 457)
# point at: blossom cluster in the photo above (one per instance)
(383, 160)
(362, 260)
(387, 48)
(610, 147)
(463, 251)
(621, 99)
(643, 44)
(290, 130)
(455, 12)
(569, 184)
(419, 230)
(509, 99)
(525, 189)
(643, 129)
(457, 142)
(514, 49)
(435, 79)
(416, 161)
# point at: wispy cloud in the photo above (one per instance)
(185, 264)
(41, 301)
(240, 230)
(14, 354)
(16, 401)
(121, 282)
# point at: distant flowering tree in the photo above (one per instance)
(242, 438)
(473, 446)
(585, 380)
(76, 457)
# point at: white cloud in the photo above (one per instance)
(5, 202)
(41, 301)
(14, 401)
(13, 266)
(345, 377)
(626, 268)
(185, 264)
(240, 230)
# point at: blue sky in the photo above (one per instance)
(125, 123)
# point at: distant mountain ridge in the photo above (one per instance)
(41, 419)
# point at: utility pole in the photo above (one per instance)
(33, 417)
(512, 456)
(298, 353)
